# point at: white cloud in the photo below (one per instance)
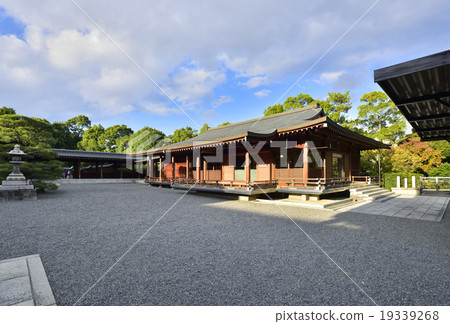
(160, 109)
(65, 66)
(255, 82)
(189, 85)
(262, 93)
(221, 101)
(328, 77)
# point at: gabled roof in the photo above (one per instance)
(421, 90)
(269, 126)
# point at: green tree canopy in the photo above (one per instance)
(35, 137)
(300, 101)
(204, 128)
(443, 146)
(144, 139)
(7, 111)
(183, 134)
(336, 105)
(442, 171)
(224, 124)
(77, 125)
(90, 140)
(68, 134)
(107, 140)
(380, 118)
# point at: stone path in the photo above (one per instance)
(23, 282)
(422, 207)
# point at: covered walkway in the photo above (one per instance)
(102, 164)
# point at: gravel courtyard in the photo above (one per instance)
(211, 251)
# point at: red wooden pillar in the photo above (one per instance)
(305, 162)
(247, 167)
(205, 170)
(197, 168)
(187, 166)
(160, 169)
(173, 167)
(350, 164)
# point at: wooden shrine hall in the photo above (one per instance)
(296, 152)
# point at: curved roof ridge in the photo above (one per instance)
(313, 106)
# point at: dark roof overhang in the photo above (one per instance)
(89, 156)
(420, 89)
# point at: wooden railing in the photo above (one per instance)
(365, 179)
(314, 183)
(295, 183)
(226, 184)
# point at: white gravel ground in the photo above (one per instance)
(210, 251)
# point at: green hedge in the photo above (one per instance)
(442, 171)
(390, 179)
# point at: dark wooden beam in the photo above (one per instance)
(423, 130)
(429, 117)
(414, 100)
(443, 102)
(435, 138)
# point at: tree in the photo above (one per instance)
(144, 139)
(369, 162)
(416, 156)
(183, 134)
(381, 119)
(224, 124)
(204, 128)
(442, 171)
(336, 105)
(69, 133)
(35, 137)
(107, 140)
(77, 125)
(300, 101)
(90, 139)
(443, 146)
(7, 111)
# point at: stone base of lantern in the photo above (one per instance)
(17, 190)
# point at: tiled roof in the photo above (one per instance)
(259, 127)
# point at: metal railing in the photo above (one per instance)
(435, 183)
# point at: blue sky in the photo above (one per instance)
(216, 60)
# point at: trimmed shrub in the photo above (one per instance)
(390, 179)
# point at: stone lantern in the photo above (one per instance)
(16, 161)
(16, 186)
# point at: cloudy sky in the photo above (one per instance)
(142, 63)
